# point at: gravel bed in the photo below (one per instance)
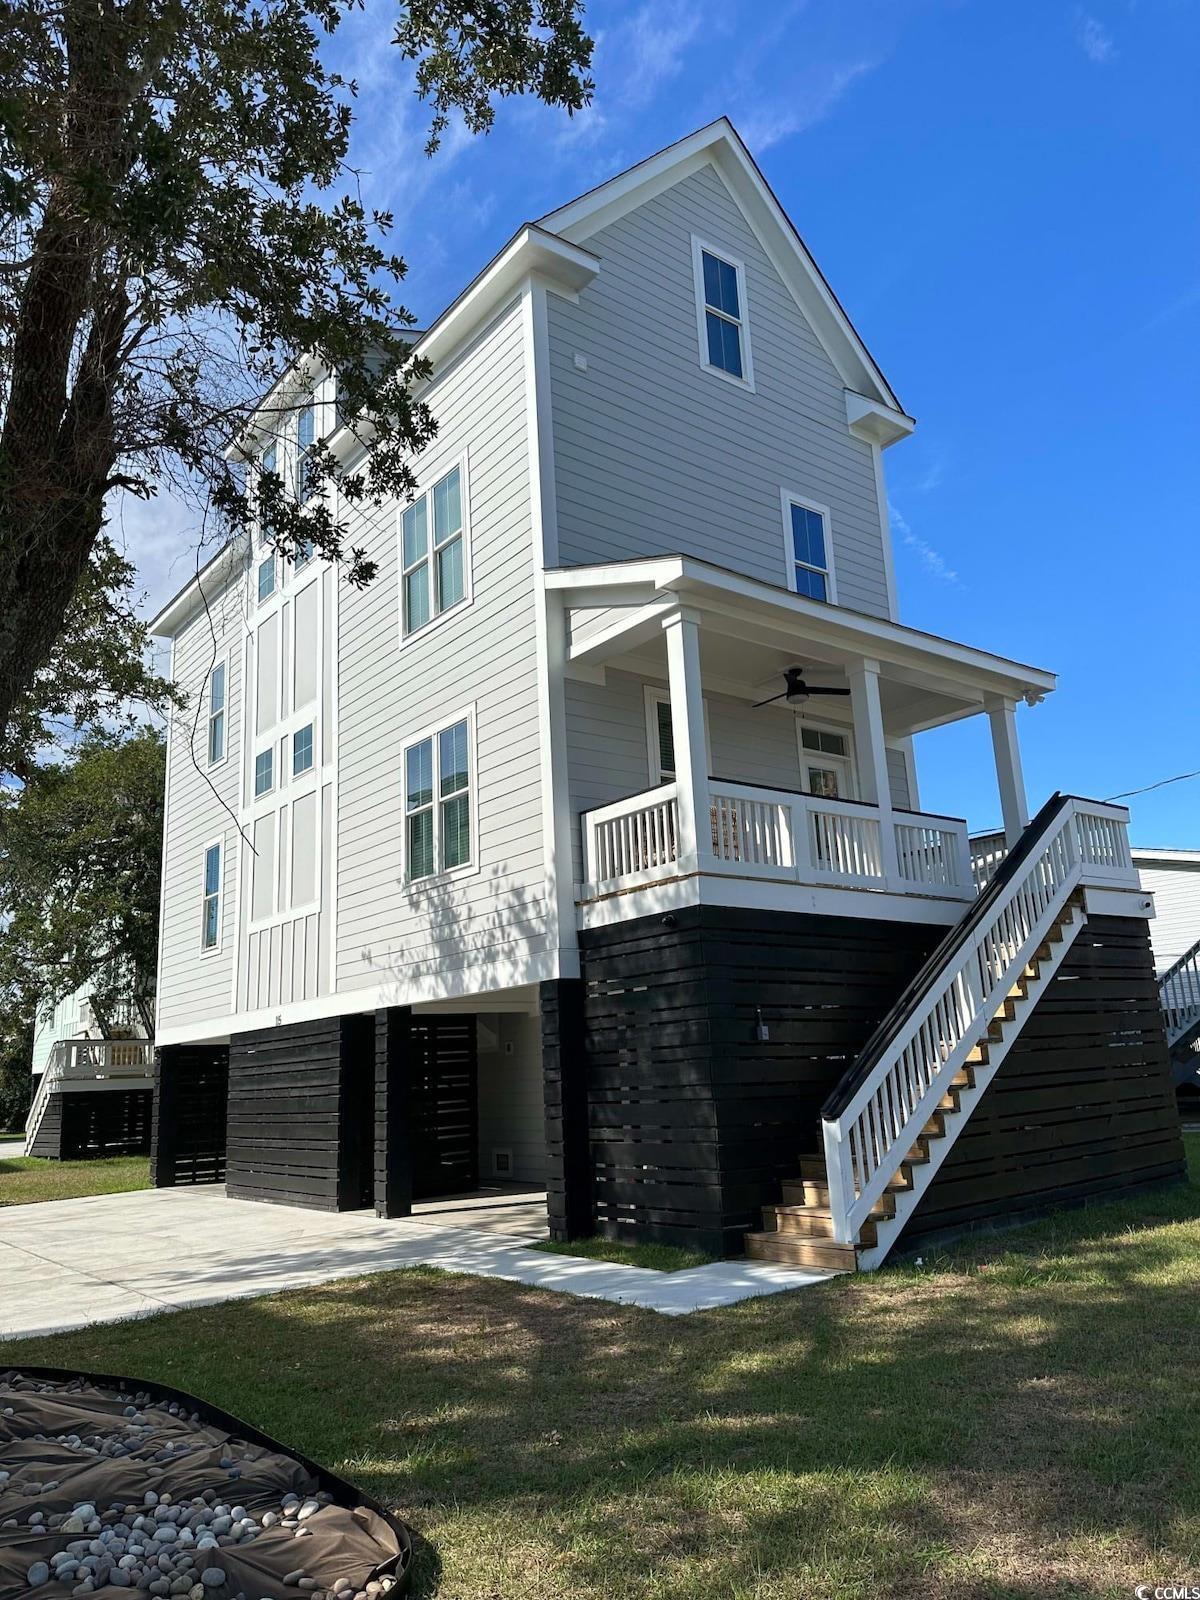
(111, 1491)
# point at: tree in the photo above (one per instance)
(178, 228)
(80, 855)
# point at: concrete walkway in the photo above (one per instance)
(10, 1148)
(69, 1263)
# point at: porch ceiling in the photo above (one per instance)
(751, 631)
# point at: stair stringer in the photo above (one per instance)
(922, 1174)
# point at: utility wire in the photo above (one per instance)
(1161, 784)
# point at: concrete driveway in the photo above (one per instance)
(68, 1263)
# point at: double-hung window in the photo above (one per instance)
(210, 921)
(216, 714)
(306, 433)
(437, 802)
(721, 314)
(806, 530)
(433, 553)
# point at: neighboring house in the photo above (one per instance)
(1173, 876)
(92, 1078)
(502, 867)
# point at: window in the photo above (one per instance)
(267, 461)
(306, 432)
(433, 559)
(806, 529)
(302, 749)
(437, 802)
(825, 763)
(660, 736)
(304, 552)
(264, 771)
(210, 936)
(216, 714)
(266, 577)
(721, 314)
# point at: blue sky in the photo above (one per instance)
(1005, 200)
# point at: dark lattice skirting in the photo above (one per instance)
(1082, 1105)
(109, 1122)
(693, 1119)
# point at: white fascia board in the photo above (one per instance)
(1147, 856)
(721, 144)
(282, 397)
(208, 581)
(877, 424)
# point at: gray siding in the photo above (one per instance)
(512, 1113)
(608, 748)
(654, 455)
(482, 929)
(196, 987)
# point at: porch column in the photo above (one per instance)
(871, 754)
(682, 630)
(1002, 714)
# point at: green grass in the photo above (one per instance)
(1015, 1419)
(27, 1179)
(659, 1257)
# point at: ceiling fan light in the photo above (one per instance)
(797, 697)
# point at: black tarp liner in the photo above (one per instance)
(353, 1537)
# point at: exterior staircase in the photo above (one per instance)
(1179, 994)
(892, 1120)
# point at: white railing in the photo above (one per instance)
(774, 834)
(91, 1062)
(867, 1140)
(988, 850)
(1179, 992)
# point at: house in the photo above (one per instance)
(585, 847)
(93, 1077)
(1173, 877)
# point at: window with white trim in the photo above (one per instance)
(302, 749)
(433, 553)
(264, 771)
(810, 568)
(210, 922)
(306, 433)
(437, 802)
(266, 576)
(827, 762)
(660, 736)
(721, 314)
(216, 714)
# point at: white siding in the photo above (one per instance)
(511, 1104)
(654, 455)
(482, 929)
(202, 802)
(1176, 888)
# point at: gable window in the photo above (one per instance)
(306, 432)
(437, 802)
(809, 563)
(264, 771)
(210, 922)
(433, 553)
(721, 314)
(216, 714)
(302, 749)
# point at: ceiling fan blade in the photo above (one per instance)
(769, 702)
(815, 688)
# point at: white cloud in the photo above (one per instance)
(654, 44)
(932, 560)
(1094, 39)
(765, 124)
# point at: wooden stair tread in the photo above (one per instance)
(792, 1250)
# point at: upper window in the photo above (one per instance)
(826, 763)
(721, 314)
(437, 802)
(806, 529)
(267, 461)
(306, 432)
(266, 576)
(264, 771)
(210, 922)
(216, 714)
(302, 749)
(433, 555)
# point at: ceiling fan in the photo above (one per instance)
(797, 691)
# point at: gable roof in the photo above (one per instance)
(720, 145)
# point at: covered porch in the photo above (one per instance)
(764, 791)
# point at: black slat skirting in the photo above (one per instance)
(191, 1084)
(77, 1126)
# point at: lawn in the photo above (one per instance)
(1014, 1419)
(26, 1179)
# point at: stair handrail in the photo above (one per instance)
(1182, 977)
(875, 1114)
(52, 1075)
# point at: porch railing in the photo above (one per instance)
(1179, 992)
(774, 834)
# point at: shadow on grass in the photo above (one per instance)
(1016, 1421)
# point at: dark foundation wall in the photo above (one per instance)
(1082, 1105)
(692, 1118)
(191, 1087)
(78, 1125)
(301, 1115)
